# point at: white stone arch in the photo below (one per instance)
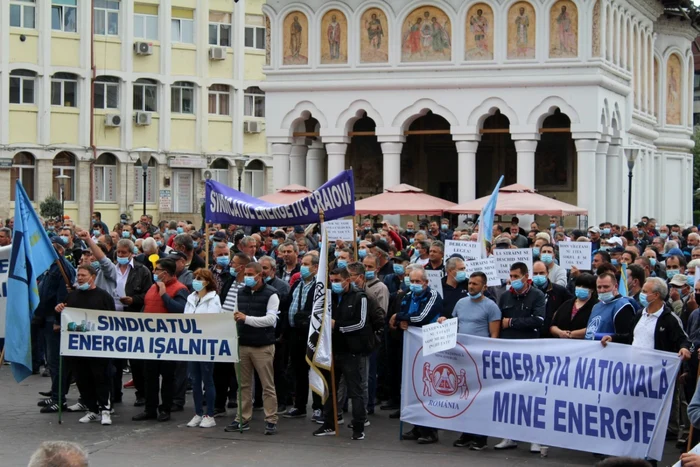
(547, 108)
(606, 112)
(354, 111)
(420, 108)
(616, 122)
(302, 111)
(255, 160)
(487, 108)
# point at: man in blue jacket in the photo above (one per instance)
(420, 306)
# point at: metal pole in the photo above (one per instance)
(629, 201)
(63, 199)
(145, 174)
(240, 174)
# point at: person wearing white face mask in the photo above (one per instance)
(91, 373)
(477, 315)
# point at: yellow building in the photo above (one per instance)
(180, 77)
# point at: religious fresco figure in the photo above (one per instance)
(522, 31)
(295, 47)
(480, 26)
(295, 37)
(374, 34)
(426, 36)
(333, 35)
(522, 24)
(374, 31)
(566, 36)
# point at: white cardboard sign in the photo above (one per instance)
(439, 336)
(487, 266)
(340, 229)
(468, 250)
(576, 254)
(435, 281)
(507, 257)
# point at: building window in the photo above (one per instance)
(255, 37)
(64, 90)
(151, 181)
(64, 14)
(106, 178)
(219, 99)
(22, 87)
(254, 179)
(64, 164)
(219, 171)
(254, 104)
(220, 29)
(182, 30)
(106, 92)
(146, 95)
(146, 26)
(23, 14)
(23, 170)
(107, 17)
(182, 98)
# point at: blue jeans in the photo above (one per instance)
(203, 373)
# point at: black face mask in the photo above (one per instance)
(697, 298)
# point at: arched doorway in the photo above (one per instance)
(555, 161)
(429, 157)
(496, 155)
(364, 155)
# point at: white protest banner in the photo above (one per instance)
(695, 450)
(487, 266)
(435, 281)
(151, 336)
(4, 268)
(439, 336)
(467, 250)
(507, 257)
(340, 229)
(576, 254)
(569, 393)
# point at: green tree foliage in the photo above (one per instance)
(50, 207)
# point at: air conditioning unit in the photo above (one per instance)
(142, 118)
(206, 174)
(143, 48)
(217, 53)
(112, 120)
(252, 126)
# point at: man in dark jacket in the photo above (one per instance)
(555, 294)
(523, 314)
(298, 309)
(351, 338)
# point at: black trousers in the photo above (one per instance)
(139, 377)
(180, 383)
(225, 383)
(118, 366)
(280, 368)
(393, 370)
(155, 370)
(92, 375)
(349, 365)
(300, 369)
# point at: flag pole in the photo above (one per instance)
(2, 356)
(60, 389)
(206, 245)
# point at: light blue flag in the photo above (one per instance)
(622, 287)
(486, 219)
(32, 254)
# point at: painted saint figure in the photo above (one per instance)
(441, 39)
(412, 39)
(333, 34)
(374, 31)
(566, 36)
(480, 27)
(426, 34)
(295, 37)
(522, 24)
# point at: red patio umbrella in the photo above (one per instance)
(518, 199)
(287, 194)
(403, 199)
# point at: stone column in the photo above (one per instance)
(336, 158)
(44, 182)
(297, 162)
(391, 163)
(585, 180)
(466, 167)
(614, 181)
(601, 155)
(315, 168)
(526, 171)
(280, 163)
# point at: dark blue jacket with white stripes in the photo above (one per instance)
(352, 332)
(429, 308)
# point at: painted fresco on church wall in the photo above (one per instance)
(374, 36)
(522, 31)
(334, 38)
(479, 33)
(563, 30)
(296, 44)
(673, 90)
(426, 36)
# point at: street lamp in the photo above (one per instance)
(631, 154)
(240, 166)
(61, 181)
(145, 155)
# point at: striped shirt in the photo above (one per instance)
(231, 302)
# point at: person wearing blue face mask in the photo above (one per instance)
(555, 273)
(420, 306)
(352, 330)
(256, 316)
(91, 373)
(220, 263)
(571, 318)
(342, 258)
(555, 294)
(613, 313)
(454, 284)
(476, 315)
(523, 313)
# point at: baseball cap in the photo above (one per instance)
(679, 280)
(501, 240)
(401, 255)
(176, 255)
(381, 244)
(298, 229)
(58, 241)
(615, 241)
(674, 252)
(594, 229)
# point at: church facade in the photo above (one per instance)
(558, 95)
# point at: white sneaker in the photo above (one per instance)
(89, 417)
(207, 422)
(196, 420)
(106, 417)
(77, 407)
(507, 444)
(535, 448)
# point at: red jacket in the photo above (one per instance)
(153, 302)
